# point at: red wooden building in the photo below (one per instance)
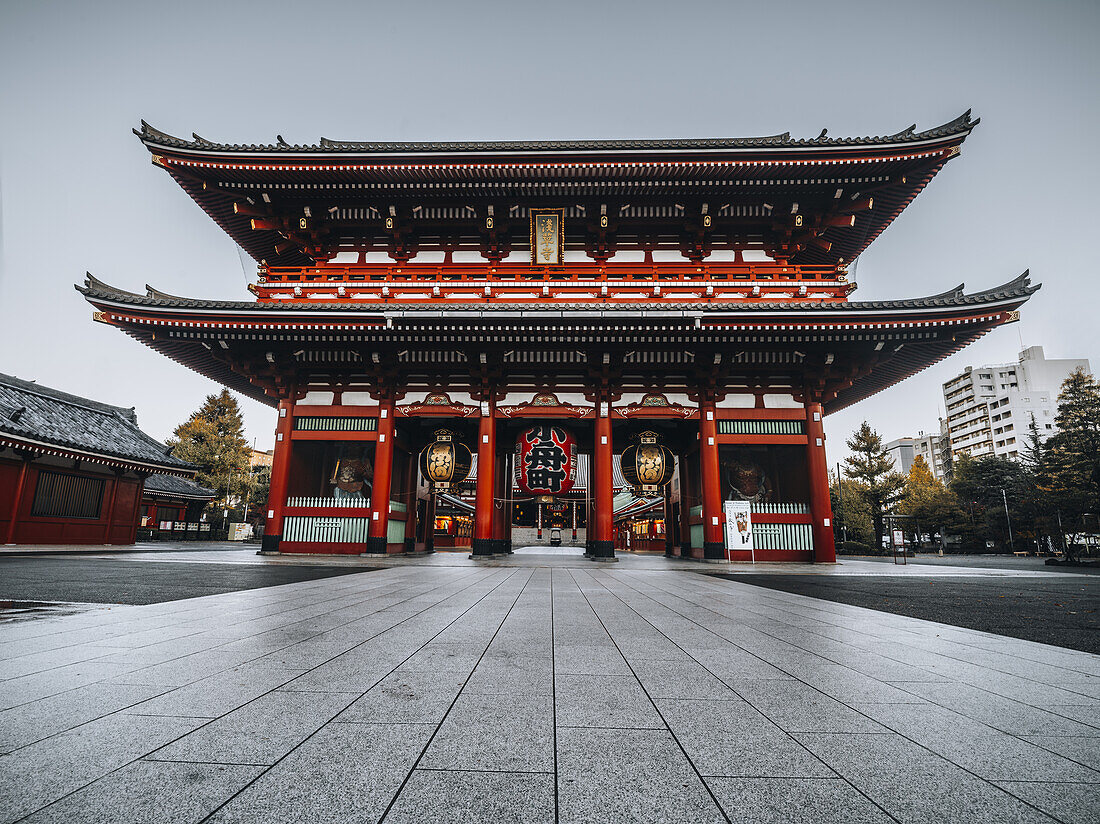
(171, 505)
(72, 470)
(696, 289)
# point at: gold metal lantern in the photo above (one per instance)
(647, 464)
(445, 462)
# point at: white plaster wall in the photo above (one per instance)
(737, 402)
(781, 402)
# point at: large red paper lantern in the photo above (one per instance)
(546, 460)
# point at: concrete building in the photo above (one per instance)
(990, 408)
(902, 451)
(935, 448)
(930, 446)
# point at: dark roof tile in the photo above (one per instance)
(166, 485)
(960, 125)
(1019, 287)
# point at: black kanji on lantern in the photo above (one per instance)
(545, 459)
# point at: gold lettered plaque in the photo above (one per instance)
(547, 237)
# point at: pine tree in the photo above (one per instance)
(851, 515)
(874, 469)
(1070, 469)
(213, 438)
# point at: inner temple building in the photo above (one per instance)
(490, 343)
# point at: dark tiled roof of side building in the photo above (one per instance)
(38, 414)
(169, 486)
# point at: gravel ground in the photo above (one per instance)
(1052, 609)
(111, 581)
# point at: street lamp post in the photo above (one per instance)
(1008, 518)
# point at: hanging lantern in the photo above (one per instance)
(546, 460)
(647, 464)
(445, 463)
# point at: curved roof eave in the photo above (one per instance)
(1017, 289)
(909, 137)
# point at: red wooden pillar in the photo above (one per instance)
(670, 525)
(111, 508)
(482, 543)
(412, 478)
(687, 499)
(603, 539)
(383, 473)
(140, 493)
(20, 485)
(821, 507)
(280, 475)
(429, 523)
(502, 506)
(714, 547)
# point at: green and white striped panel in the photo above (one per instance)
(333, 424)
(319, 530)
(783, 536)
(761, 427)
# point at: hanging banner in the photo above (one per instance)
(739, 526)
(546, 460)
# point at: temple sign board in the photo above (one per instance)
(739, 526)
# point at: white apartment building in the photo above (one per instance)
(990, 409)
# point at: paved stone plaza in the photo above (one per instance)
(538, 688)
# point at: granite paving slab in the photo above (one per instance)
(463, 797)
(260, 732)
(642, 775)
(27, 723)
(1068, 803)
(794, 801)
(913, 784)
(346, 773)
(731, 738)
(604, 701)
(486, 732)
(36, 775)
(149, 792)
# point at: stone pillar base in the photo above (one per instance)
(600, 550)
(270, 543)
(376, 545)
(482, 548)
(714, 551)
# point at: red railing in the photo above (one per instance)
(520, 272)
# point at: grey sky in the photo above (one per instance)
(78, 191)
